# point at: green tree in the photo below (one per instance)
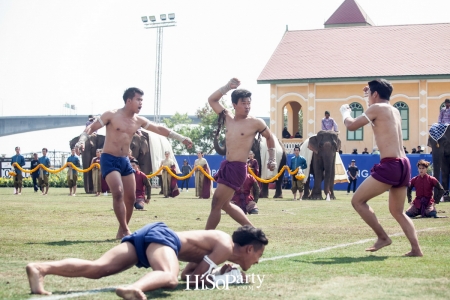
(202, 135)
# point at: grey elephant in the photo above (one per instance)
(256, 148)
(441, 160)
(324, 147)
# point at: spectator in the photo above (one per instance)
(444, 115)
(96, 174)
(365, 151)
(72, 174)
(404, 148)
(169, 190)
(352, 172)
(297, 162)
(43, 174)
(20, 160)
(413, 151)
(143, 186)
(355, 151)
(419, 150)
(35, 175)
(253, 163)
(286, 134)
(185, 170)
(298, 135)
(247, 196)
(328, 123)
(202, 183)
(424, 184)
(376, 151)
(340, 151)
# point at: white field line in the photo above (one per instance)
(111, 289)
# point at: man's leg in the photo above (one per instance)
(354, 185)
(294, 188)
(114, 181)
(367, 190)
(221, 200)
(397, 198)
(349, 185)
(165, 267)
(116, 260)
(129, 189)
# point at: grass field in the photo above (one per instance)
(38, 228)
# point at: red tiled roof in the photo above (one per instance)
(349, 12)
(362, 51)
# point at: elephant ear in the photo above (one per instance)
(336, 142)
(313, 144)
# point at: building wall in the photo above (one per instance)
(423, 98)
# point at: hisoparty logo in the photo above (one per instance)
(223, 282)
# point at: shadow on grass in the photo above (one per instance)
(68, 243)
(343, 260)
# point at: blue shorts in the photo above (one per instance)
(110, 163)
(152, 233)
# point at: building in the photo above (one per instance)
(312, 71)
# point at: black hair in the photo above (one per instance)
(130, 92)
(382, 86)
(423, 163)
(238, 94)
(134, 160)
(45, 149)
(297, 147)
(327, 112)
(246, 235)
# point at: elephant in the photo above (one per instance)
(324, 146)
(441, 160)
(148, 148)
(258, 147)
(94, 142)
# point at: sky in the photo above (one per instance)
(86, 53)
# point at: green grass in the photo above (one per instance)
(38, 228)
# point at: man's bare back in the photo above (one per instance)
(196, 244)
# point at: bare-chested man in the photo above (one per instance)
(121, 124)
(161, 248)
(394, 170)
(240, 132)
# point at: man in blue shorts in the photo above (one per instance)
(121, 125)
(160, 248)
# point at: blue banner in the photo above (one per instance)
(364, 162)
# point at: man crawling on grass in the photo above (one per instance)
(161, 248)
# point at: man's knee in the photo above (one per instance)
(172, 281)
(117, 193)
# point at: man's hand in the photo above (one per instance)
(79, 147)
(188, 143)
(231, 85)
(346, 112)
(271, 164)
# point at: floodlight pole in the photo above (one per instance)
(158, 66)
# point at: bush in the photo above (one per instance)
(54, 180)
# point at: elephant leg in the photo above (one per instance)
(306, 190)
(264, 190)
(278, 190)
(318, 178)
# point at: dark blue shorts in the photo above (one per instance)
(110, 163)
(152, 233)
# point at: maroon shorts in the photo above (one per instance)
(232, 174)
(392, 171)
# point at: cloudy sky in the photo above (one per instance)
(87, 53)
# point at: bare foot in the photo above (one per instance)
(36, 280)
(121, 234)
(414, 253)
(130, 293)
(380, 243)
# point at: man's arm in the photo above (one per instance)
(96, 125)
(323, 125)
(353, 124)
(304, 164)
(213, 100)
(22, 161)
(150, 126)
(441, 116)
(440, 192)
(256, 191)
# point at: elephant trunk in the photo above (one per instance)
(220, 150)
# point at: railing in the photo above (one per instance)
(289, 144)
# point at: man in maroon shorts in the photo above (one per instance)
(240, 133)
(394, 170)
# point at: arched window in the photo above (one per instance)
(358, 134)
(404, 113)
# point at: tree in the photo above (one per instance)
(202, 135)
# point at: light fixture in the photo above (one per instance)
(163, 17)
(171, 16)
(152, 18)
(144, 19)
